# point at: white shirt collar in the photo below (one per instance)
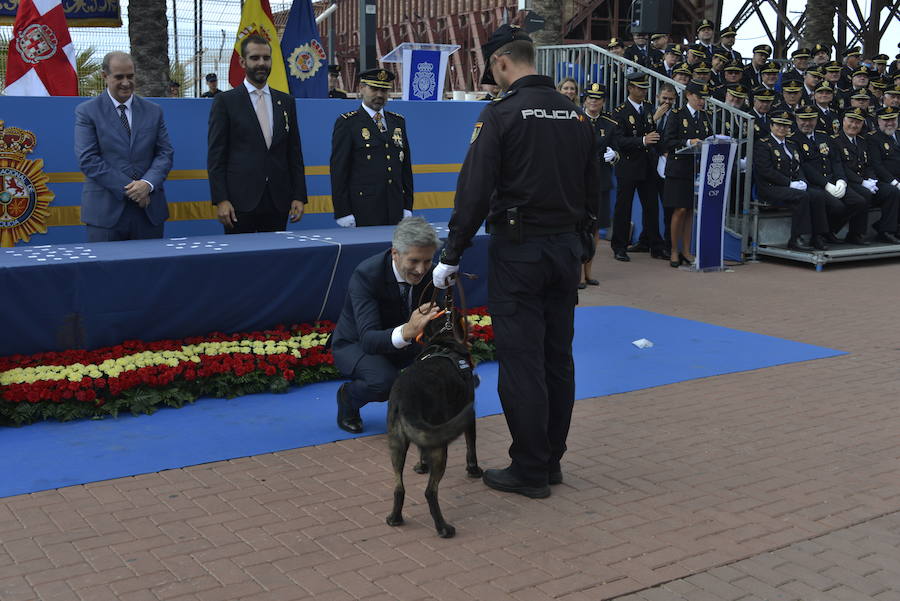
(777, 141)
(636, 105)
(692, 111)
(116, 103)
(397, 275)
(251, 89)
(372, 111)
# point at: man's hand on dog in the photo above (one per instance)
(418, 320)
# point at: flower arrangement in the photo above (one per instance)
(142, 376)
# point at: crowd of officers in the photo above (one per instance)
(825, 141)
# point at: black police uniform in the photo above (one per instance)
(821, 165)
(371, 172)
(604, 136)
(761, 124)
(336, 93)
(858, 167)
(734, 54)
(529, 172)
(681, 168)
(884, 153)
(829, 121)
(210, 93)
(636, 171)
(639, 55)
(656, 56)
(774, 168)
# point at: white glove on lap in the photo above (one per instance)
(871, 185)
(609, 155)
(832, 189)
(798, 185)
(346, 221)
(841, 186)
(407, 213)
(895, 183)
(661, 167)
(440, 277)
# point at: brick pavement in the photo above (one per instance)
(782, 483)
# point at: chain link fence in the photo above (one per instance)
(201, 38)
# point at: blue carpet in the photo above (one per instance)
(51, 455)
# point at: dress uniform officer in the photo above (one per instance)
(334, 72)
(637, 138)
(884, 148)
(853, 55)
(862, 179)
(791, 95)
(639, 52)
(776, 171)
(705, 34)
(811, 80)
(799, 63)
(821, 55)
(371, 167)
(824, 172)
(686, 127)
(530, 172)
(605, 141)
(727, 38)
(658, 43)
(829, 119)
(752, 75)
(671, 59)
(762, 106)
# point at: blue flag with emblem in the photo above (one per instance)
(423, 73)
(305, 58)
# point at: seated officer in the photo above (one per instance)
(374, 336)
(862, 179)
(762, 104)
(776, 171)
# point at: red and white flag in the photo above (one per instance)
(41, 59)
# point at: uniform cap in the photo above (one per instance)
(704, 24)
(814, 71)
(783, 118)
(656, 36)
(833, 66)
(212, 77)
(763, 49)
(727, 32)
(825, 86)
(800, 53)
(764, 94)
(638, 79)
(860, 94)
(879, 83)
(806, 112)
(502, 36)
(853, 51)
(377, 78)
(821, 48)
(698, 88)
(697, 50)
(862, 71)
(734, 66)
(880, 59)
(701, 68)
(770, 67)
(892, 90)
(721, 54)
(737, 90)
(674, 49)
(856, 113)
(682, 68)
(597, 90)
(887, 113)
(334, 69)
(615, 42)
(792, 86)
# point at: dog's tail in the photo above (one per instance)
(428, 435)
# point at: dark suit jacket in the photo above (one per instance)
(819, 159)
(773, 168)
(238, 161)
(884, 154)
(854, 158)
(372, 309)
(637, 161)
(371, 172)
(111, 159)
(604, 135)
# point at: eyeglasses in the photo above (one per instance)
(494, 57)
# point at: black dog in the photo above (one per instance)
(431, 403)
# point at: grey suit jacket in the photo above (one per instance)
(110, 158)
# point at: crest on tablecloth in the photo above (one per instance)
(24, 195)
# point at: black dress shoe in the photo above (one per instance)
(640, 247)
(591, 282)
(506, 481)
(832, 239)
(889, 238)
(798, 244)
(555, 477)
(818, 243)
(582, 285)
(856, 239)
(621, 255)
(659, 254)
(347, 417)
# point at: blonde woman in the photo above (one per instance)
(569, 88)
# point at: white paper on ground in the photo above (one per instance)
(642, 343)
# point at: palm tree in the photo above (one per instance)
(819, 26)
(4, 49)
(551, 10)
(178, 74)
(90, 78)
(148, 30)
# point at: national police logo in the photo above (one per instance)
(716, 174)
(478, 131)
(424, 81)
(36, 43)
(823, 148)
(306, 60)
(24, 196)
(398, 136)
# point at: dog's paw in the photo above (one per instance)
(474, 471)
(421, 468)
(447, 531)
(394, 520)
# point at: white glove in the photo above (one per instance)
(346, 221)
(440, 277)
(832, 189)
(841, 186)
(798, 185)
(871, 185)
(407, 213)
(609, 155)
(743, 164)
(661, 166)
(895, 183)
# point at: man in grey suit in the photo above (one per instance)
(123, 150)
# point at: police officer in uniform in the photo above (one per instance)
(829, 122)
(824, 173)
(762, 105)
(371, 168)
(686, 127)
(637, 137)
(727, 38)
(862, 179)
(776, 170)
(530, 172)
(884, 147)
(334, 72)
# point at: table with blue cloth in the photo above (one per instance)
(86, 296)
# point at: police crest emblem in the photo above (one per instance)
(823, 148)
(631, 119)
(364, 132)
(776, 153)
(716, 174)
(424, 81)
(398, 136)
(806, 148)
(685, 123)
(24, 196)
(476, 131)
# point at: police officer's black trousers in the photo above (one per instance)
(798, 200)
(851, 208)
(532, 292)
(649, 196)
(887, 198)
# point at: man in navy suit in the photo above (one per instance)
(123, 150)
(375, 335)
(254, 159)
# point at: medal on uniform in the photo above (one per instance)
(797, 156)
(365, 133)
(398, 136)
(756, 126)
(631, 119)
(778, 154)
(806, 148)
(685, 123)
(887, 146)
(476, 131)
(823, 148)
(602, 132)
(287, 124)
(401, 156)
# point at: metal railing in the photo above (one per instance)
(588, 64)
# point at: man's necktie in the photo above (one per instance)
(379, 121)
(124, 119)
(262, 114)
(661, 124)
(405, 289)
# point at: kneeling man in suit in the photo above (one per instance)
(375, 335)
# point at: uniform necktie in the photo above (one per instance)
(124, 119)
(379, 121)
(262, 114)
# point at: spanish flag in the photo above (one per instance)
(256, 17)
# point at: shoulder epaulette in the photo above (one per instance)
(610, 119)
(395, 114)
(835, 136)
(503, 96)
(348, 114)
(621, 106)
